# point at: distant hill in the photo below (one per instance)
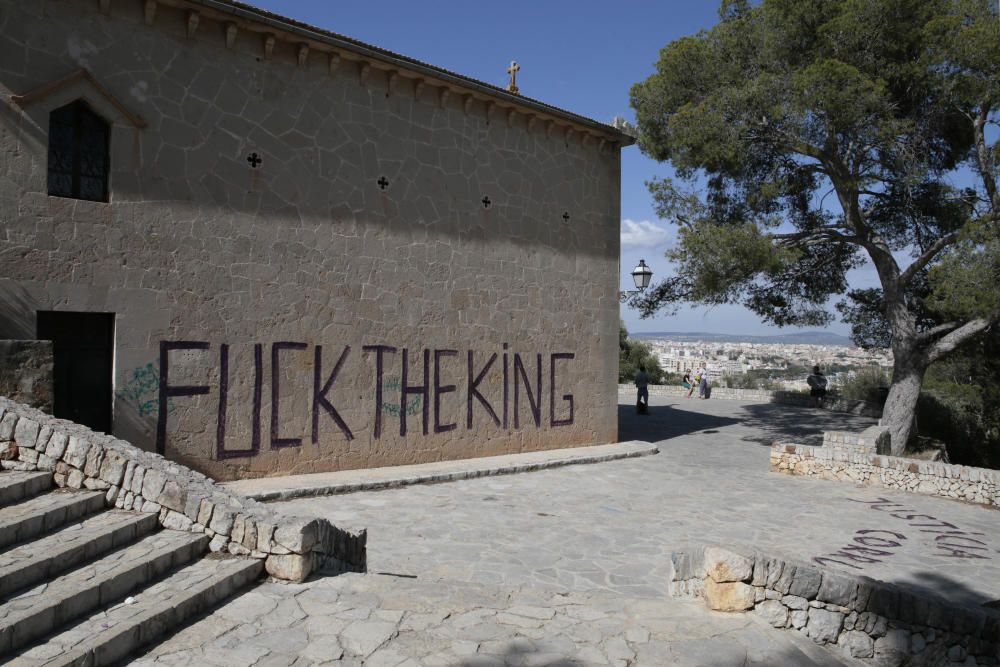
(802, 338)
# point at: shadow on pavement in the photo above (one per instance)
(803, 426)
(664, 422)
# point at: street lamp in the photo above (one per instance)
(640, 275)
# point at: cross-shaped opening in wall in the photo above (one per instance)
(565, 216)
(255, 160)
(486, 202)
(383, 182)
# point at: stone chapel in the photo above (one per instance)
(263, 248)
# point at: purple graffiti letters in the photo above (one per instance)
(552, 391)
(319, 393)
(474, 390)
(221, 452)
(379, 351)
(277, 442)
(166, 391)
(441, 389)
(407, 390)
(534, 398)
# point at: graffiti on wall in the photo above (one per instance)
(141, 390)
(874, 546)
(413, 394)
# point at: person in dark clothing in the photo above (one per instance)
(642, 383)
(817, 387)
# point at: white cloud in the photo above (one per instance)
(642, 234)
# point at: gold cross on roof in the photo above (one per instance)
(513, 70)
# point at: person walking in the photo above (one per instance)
(694, 383)
(703, 381)
(817, 387)
(642, 383)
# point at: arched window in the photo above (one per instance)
(78, 153)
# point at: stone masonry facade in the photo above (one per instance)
(868, 620)
(182, 499)
(26, 372)
(850, 458)
(320, 255)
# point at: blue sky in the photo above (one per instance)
(581, 56)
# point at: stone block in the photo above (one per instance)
(205, 509)
(173, 496)
(805, 582)
(8, 450)
(824, 625)
(152, 483)
(222, 520)
(291, 567)
(722, 565)
(239, 523)
(773, 612)
(893, 648)
(728, 596)
(113, 468)
(249, 540)
(111, 497)
(95, 456)
(27, 455)
(26, 432)
(857, 644)
(150, 507)
(8, 424)
(176, 521)
(296, 534)
(45, 462)
(76, 451)
(42, 441)
(218, 543)
(799, 618)
(56, 446)
(137, 476)
(74, 479)
(837, 589)
(795, 602)
(783, 582)
(192, 504)
(96, 484)
(264, 532)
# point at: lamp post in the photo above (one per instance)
(640, 275)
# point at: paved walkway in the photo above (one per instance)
(473, 572)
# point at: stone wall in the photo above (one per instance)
(184, 499)
(317, 259)
(26, 372)
(862, 464)
(873, 621)
(832, 403)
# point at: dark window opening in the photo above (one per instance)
(78, 153)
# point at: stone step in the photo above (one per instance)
(42, 514)
(39, 560)
(43, 609)
(112, 634)
(15, 485)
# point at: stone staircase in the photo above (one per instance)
(83, 585)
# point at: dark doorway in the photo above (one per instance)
(83, 348)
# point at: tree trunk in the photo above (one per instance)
(899, 414)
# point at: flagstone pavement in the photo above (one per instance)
(568, 566)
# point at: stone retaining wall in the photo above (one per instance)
(861, 463)
(873, 621)
(26, 372)
(184, 499)
(832, 403)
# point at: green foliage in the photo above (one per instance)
(960, 404)
(634, 353)
(868, 384)
(965, 282)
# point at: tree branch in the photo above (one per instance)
(957, 337)
(926, 256)
(984, 160)
(934, 332)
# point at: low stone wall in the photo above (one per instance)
(26, 368)
(184, 499)
(873, 621)
(832, 403)
(860, 463)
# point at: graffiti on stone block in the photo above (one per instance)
(874, 546)
(141, 390)
(407, 386)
